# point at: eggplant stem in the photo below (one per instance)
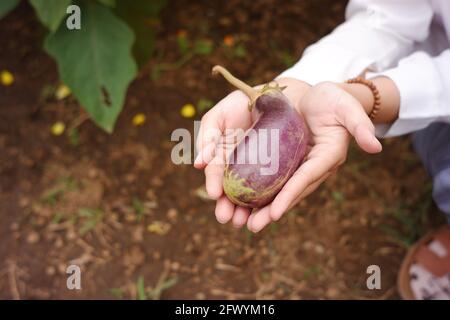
(253, 94)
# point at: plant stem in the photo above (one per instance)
(241, 85)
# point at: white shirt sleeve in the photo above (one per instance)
(424, 85)
(374, 36)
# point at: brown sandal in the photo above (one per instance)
(421, 254)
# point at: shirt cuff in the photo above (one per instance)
(420, 91)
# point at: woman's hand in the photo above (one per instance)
(331, 114)
(230, 113)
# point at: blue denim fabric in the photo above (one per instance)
(433, 146)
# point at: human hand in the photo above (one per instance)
(332, 115)
(214, 141)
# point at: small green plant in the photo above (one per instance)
(182, 42)
(100, 59)
(282, 55)
(57, 217)
(138, 208)
(311, 271)
(204, 105)
(338, 197)
(410, 224)
(62, 185)
(74, 137)
(287, 59)
(240, 51)
(116, 293)
(140, 288)
(274, 227)
(411, 221)
(154, 293)
(248, 235)
(91, 218)
(187, 50)
(234, 47)
(203, 47)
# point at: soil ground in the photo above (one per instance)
(90, 201)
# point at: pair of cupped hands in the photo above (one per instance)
(333, 117)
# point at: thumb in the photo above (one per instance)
(353, 117)
(365, 138)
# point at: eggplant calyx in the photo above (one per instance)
(272, 87)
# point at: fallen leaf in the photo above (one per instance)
(159, 227)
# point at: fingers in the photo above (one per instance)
(210, 128)
(224, 209)
(306, 175)
(259, 219)
(353, 117)
(240, 216)
(214, 177)
(208, 157)
(206, 154)
(230, 112)
(214, 143)
(310, 189)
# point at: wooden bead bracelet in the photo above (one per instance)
(375, 93)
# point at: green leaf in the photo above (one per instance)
(6, 6)
(51, 12)
(96, 62)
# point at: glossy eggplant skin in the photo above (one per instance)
(243, 183)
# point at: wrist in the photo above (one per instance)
(389, 98)
(361, 93)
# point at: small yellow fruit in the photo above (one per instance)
(58, 128)
(188, 110)
(62, 92)
(139, 119)
(6, 78)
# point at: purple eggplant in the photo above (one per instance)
(270, 152)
